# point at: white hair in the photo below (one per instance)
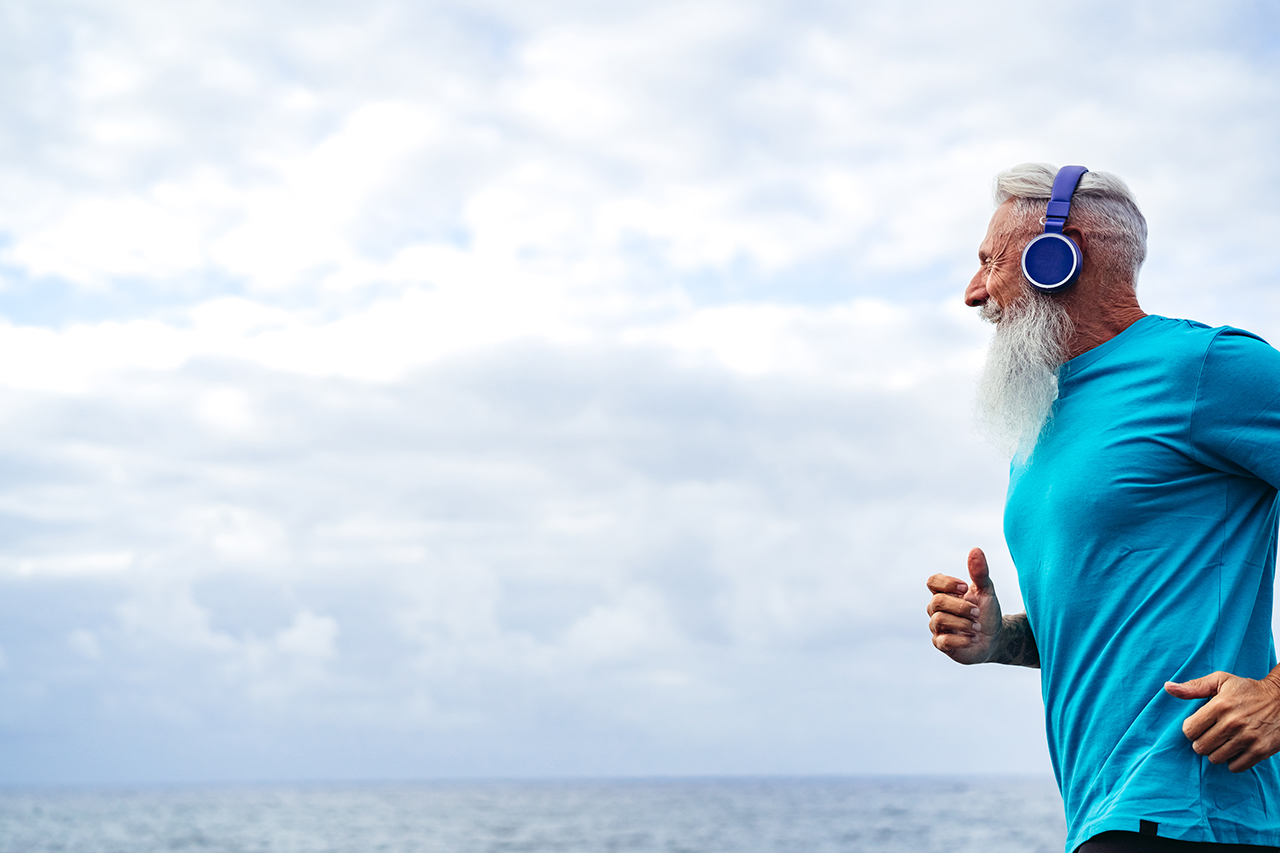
(1103, 207)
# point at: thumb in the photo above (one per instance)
(978, 572)
(1197, 688)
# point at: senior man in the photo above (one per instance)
(1141, 516)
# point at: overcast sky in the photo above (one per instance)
(417, 389)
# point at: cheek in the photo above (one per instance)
(1006, 286)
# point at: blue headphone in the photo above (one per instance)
(1052, 261)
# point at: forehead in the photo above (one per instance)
(1001, 229)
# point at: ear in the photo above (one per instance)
(1076, 235)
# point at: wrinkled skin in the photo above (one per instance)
(1240, 724)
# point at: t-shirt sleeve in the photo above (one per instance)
(1235, 425)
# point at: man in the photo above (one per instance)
(1141, 516)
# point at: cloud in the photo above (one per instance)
(531, 520)
(552, 388)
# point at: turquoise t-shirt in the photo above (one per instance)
(1143, 529)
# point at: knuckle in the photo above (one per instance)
(950, 604)
(936, 630)
(948, 642)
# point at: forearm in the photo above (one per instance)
(1015, 644)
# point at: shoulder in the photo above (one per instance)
(1176, 339)
(1236, 414)
(1236, 357)
(1174, 353)
(1189, 331)
(1235, 373)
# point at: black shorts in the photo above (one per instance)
(1133, 842)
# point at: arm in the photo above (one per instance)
(967, 624)
(1240, 724)
(1017, 646)
(1235, 427)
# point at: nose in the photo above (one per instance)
(976, 293)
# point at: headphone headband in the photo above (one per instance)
(1064, 186)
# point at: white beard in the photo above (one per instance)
(1019, 382)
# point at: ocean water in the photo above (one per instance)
(813, 815)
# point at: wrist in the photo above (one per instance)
(1000, 640)
(1013, 643)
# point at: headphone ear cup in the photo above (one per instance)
(1052, 262)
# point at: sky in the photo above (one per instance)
(426, 390)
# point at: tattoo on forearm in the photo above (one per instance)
(1018, 644)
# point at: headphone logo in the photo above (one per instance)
(1052, 262)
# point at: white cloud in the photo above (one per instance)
(485, 375)
(304, 226)
(66, 564)
(310, 636)
(76, 358)
(632, 628)
(100, 240)
(227, 409)
(236, 534)
(85, 644)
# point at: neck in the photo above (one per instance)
(1098, 320)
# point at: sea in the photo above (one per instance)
(813, 815)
